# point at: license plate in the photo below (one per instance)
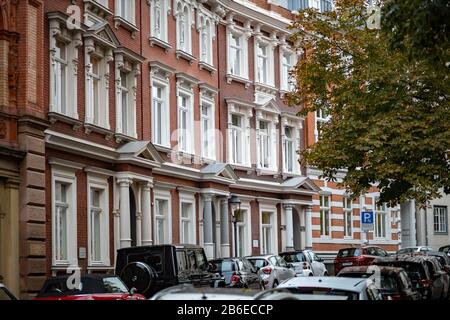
(347, 264)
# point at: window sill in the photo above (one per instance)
(119, 21)
(206, 66)
(266, 88)
(89, 127)
(54, 117)
(267, 172)
(99, 268)
(290, 175)
(98, 9)
(242, 167)
(186, 56)
(232, 77)
(208, 160)
(183, 156)
(160, 43)
(441, 233)
(120, 137)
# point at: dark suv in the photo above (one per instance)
(150, 269)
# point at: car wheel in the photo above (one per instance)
(325, 274)
(138, 275)
(275, 284)
(311, 275)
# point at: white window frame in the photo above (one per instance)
(296, 125)
(206, 32)
(348, 217)
(208, 136)
(380, 212)
(248, 246)
(104, 57)
(272, 210)
(163, 195)
(66, 177)
(102, 185)
(246, 113)
(183, 15)
(440, 219)
(164, 124)
(273, 143)
(130, 10)
(131, 69)
(189, 135)
(72, 41)
(164, 8)
(243, 33)
(269, 44)
(320, 118)
(325, 210)
(286, 83)
(187, 198)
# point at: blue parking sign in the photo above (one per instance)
(367, 220)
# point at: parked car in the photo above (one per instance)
(331, 288)
(189, 292)
(306, 263)
(5, 294)
(429, 284)
(237, 273)
(414, 249)
(445, 249)
(357, 256)
(272, 269)
(393, 283)
(152, 268)
(90, 287)
(444, 259)
(439, 273)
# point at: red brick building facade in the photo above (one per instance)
(138, 120)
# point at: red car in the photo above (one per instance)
(90, 287)
(360, 256)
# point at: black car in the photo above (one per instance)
(424, 280)
(394, 283)
(237, 273)
(150, 269)
(445, 249)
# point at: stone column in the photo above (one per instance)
(125, 231)
(224, 229)
(308, 227)
(412, 223)
(289, 227)
(146, 214)
(208, 226)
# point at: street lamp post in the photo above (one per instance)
(235, 204)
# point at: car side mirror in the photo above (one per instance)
(133, 291)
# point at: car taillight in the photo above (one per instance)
(267, 270)
(235, 279)
(424, 283)
(396, 297)
(305, 265)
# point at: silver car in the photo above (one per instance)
(416, 249)
(306, 263)
(272, 269)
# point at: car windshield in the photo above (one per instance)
(294, 257)
(348, 253)
(114, 285)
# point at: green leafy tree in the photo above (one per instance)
(390, 115)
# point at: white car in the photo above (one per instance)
(327, 288)
(189, 292)
(414, 249)
(272, 269)
(306, 263)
